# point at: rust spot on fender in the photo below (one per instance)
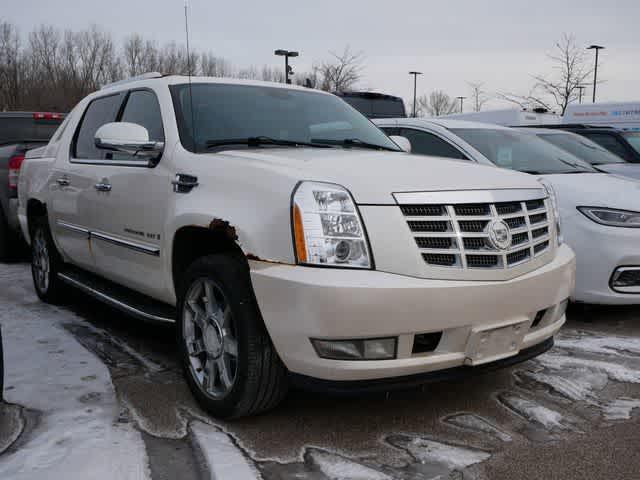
(252, 256)
(223, 227)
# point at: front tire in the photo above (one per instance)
(46, 263)
(229, 361)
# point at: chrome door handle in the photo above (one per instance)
(63, 181)
(103, 187)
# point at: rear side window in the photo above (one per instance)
(609, 142)
(429, 144)
(143, 108)
(100, 111)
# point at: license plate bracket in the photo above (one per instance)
(491, 344)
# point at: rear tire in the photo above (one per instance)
(229, 361)
(46, 263)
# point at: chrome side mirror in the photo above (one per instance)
(129, 138)
(402, 142)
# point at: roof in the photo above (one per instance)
(448, 123)
(545, 131)
(156, 78)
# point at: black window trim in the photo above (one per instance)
(467, 157)
(141, 163)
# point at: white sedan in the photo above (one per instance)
(600, 212)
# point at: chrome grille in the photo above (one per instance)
(456, 236)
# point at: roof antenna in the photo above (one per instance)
(193, 123)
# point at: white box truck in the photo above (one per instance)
(622, 115)
(510, 117)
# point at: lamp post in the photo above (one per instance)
(415, 83)
(581, 89)
(287, 69)
(461, 100)
(597, 48)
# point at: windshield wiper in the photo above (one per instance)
(353, 142)
(579, 168)
(261, 140)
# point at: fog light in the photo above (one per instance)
(365, 349)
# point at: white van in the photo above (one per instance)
(622, 115)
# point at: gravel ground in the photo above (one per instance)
(571, 413)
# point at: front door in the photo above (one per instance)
(130, 207)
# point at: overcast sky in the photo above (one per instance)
(498, 42)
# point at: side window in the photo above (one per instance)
(609, 142)
(142, 107)
(429, 144)
(100, 111)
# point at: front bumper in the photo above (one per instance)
(599, 251)
(298, 303)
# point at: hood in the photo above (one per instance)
(373, 176)
(631, 170)
(595, 190)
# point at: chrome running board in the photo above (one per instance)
(119, 297)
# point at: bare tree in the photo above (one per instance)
(10, 67)
(560, 88)
(478, 95)
(436, 104)
(212, 66)
(342, 72)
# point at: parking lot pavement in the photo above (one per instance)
(571, 413)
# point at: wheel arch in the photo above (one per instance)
(191, 242)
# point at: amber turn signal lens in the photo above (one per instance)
(301, 246)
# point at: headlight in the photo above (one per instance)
(554, 205)
(612, 217)
(327, 228)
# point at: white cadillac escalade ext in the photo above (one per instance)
(291, 240)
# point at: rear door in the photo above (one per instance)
(73, 188)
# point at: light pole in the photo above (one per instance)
(461, 100)
(581, 89)
(415, 84)
(287, 69)
(597, 48)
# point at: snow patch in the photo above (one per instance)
(77, 437)
(337, 467)
(474, 422)
(532, 411)
(608, 345)
(615, 371)
(427, 451)
(620, 408)
(578, 387)
(224, 458)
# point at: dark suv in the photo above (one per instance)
(375, 105)
(625, 144)
(19, 132)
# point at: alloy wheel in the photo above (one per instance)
(210, 338)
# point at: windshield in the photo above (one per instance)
(582, 148)
(225, 112)
(634, 140)
(521, 151)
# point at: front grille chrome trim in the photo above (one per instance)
(469, 245)
(455, 197)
